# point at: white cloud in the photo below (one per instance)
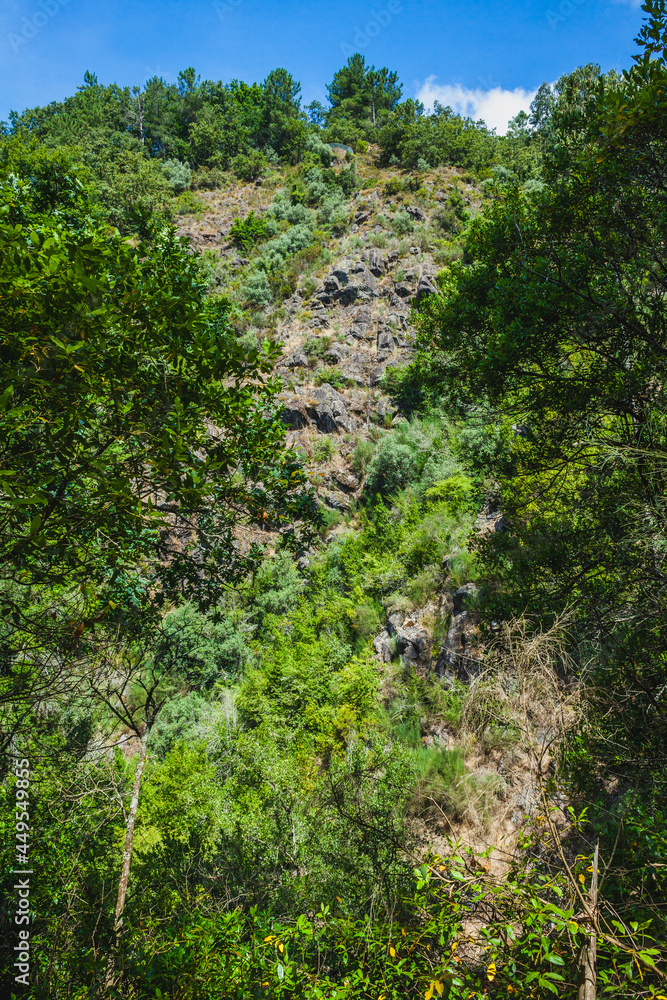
(496, 107)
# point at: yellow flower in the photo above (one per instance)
(491, 972)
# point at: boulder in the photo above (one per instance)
(412, 640)
(297, 360)
(336, 353)
(360, 323)
(403, 291)
(294, 414)
(345, 480)
(382, 647)
(376, 375)
(385, 342)
(377, 265)
(335, 501)
(462, 596)
(417, 213)
(327, 409)
(319, 323)
(425, 288)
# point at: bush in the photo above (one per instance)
(178, 174)
(393, 186)
(319, 150)
(256, 290)
(324, 449)
(246, 233)
(393, 467)
(208, 178)
(402, 223)
(188, 203)
(455, 493)
(198, 649)
(363, 453)
(251, 166)
(331, 375)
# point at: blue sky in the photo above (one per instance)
(485, 58)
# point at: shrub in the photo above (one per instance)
(324, 449)
(246, 233)
(315, 347)
(277, 586)
(319, 150)
(367, 621)
(402, 223)
(392, 468)
(455, 493)
(422, 586)
(178, 174)
(188, 203)
(331, 375)
(393, 186)
(362, 456)
(248, 167)
(198, 649)
(256, 290)
(208, 178)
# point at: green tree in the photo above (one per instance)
(130, 417)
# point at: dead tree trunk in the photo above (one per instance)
(588, 954)
(127, 855)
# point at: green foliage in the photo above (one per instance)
(402, 223)
(178, 174)
(324, 449)
(250, 166)
(331, 375)
(246, 233)
(200, 649)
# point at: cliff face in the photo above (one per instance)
(350, 315)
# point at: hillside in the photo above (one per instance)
(332, 542)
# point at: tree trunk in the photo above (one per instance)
(588, 956)
(127, 854)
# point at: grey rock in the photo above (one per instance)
(294, 415)
(376, 375)
(353, 374)
(336, 353)
(342, 273)
(345, 480)
(462, 595)
(319, 323)
(336, 502)
(417, 213)
(328, 410)
(382, 647)
(403, 291)
(297, 360)
(425, 288)
(385, 342)
(377, 265)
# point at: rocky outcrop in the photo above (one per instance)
(457, 659)
(425, 288)
(404, 636)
